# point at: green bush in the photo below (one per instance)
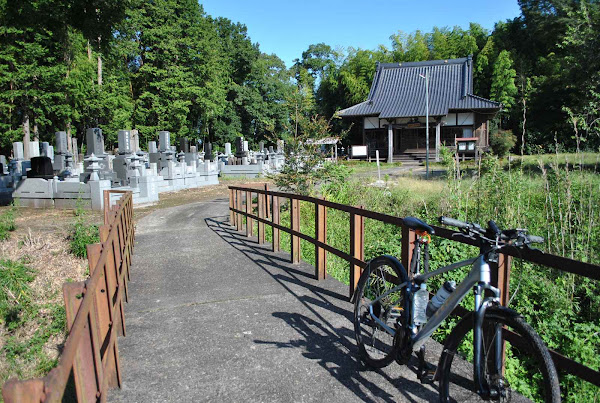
(14, 291)
(502, 141)
(82, 235)
(7, 223)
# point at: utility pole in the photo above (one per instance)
(426, 77)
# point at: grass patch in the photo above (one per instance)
(7, 223)
(82, 234)
(28, 325)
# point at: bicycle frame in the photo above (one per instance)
(479, 279)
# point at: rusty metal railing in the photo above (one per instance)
(268, 213)
(95, 317)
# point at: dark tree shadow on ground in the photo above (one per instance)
(331, 346)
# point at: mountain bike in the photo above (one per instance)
(390, 323)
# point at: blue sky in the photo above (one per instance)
(287, 28)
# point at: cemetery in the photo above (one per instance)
(44, 175)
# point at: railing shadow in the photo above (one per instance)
(333, 347)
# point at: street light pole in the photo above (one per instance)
(426, 77)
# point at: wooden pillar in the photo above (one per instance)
(239, 216)
(268, 200)
(357, 233)
(249, 221)
(390, 143)
(321, 236)
(295, 225)
(438, 139)
(408, 239)
(231, 205)
(276, 220)
(501, 276)
(261, 214)
(84, 370)
(500, 279)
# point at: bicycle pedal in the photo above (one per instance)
(426, 374)
(396, 312)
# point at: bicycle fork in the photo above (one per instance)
(483, 387)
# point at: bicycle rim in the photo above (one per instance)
(376, 345)
(529, 376)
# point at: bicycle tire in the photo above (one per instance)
(456, 381)
(376, 347)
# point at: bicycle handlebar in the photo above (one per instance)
(452, 222)
(513, 234)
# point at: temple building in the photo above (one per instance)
(393, 116)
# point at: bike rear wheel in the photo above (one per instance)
(376, 345)
(537, 378)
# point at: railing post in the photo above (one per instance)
(27, 391)
(231, 205)
(249, 221)
(357, 232)
(261, 214)
(295, 226)
(276, 220)
(239, 216)
(268, 200)
(500, 273)
(321, 236)
(408, 239)
(106, 196)
(83, 364)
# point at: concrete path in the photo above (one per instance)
(215, 317)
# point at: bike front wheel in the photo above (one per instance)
(377, 309)
(530, 373)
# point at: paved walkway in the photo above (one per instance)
(215, 317)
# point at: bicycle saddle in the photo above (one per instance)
(416, 224)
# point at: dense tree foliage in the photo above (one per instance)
(166, 65)
(543, 66)
(161, 65)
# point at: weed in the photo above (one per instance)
(7, 223)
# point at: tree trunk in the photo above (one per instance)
(99, 70)
(69, 147)
(524, 121)
(36, 133)
(99, 61)
(26, 136)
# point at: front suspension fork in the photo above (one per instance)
(483, 388)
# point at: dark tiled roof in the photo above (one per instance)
(398, 90)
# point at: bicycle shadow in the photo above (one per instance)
(333, 347)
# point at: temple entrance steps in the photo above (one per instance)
(410, 158)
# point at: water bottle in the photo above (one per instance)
(440, 297)
(420, 301)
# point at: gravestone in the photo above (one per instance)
(34, 149)
(184, 145)
(152, 147)
(135, 141)
(228, 149)
(240, 150)
(41, 167)
(61, 143)
(4, 165)
(94, 142)
(261, 146)
(18, 153)
(164, 141)
(208, 156)
(45, 146)
(124, 138)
